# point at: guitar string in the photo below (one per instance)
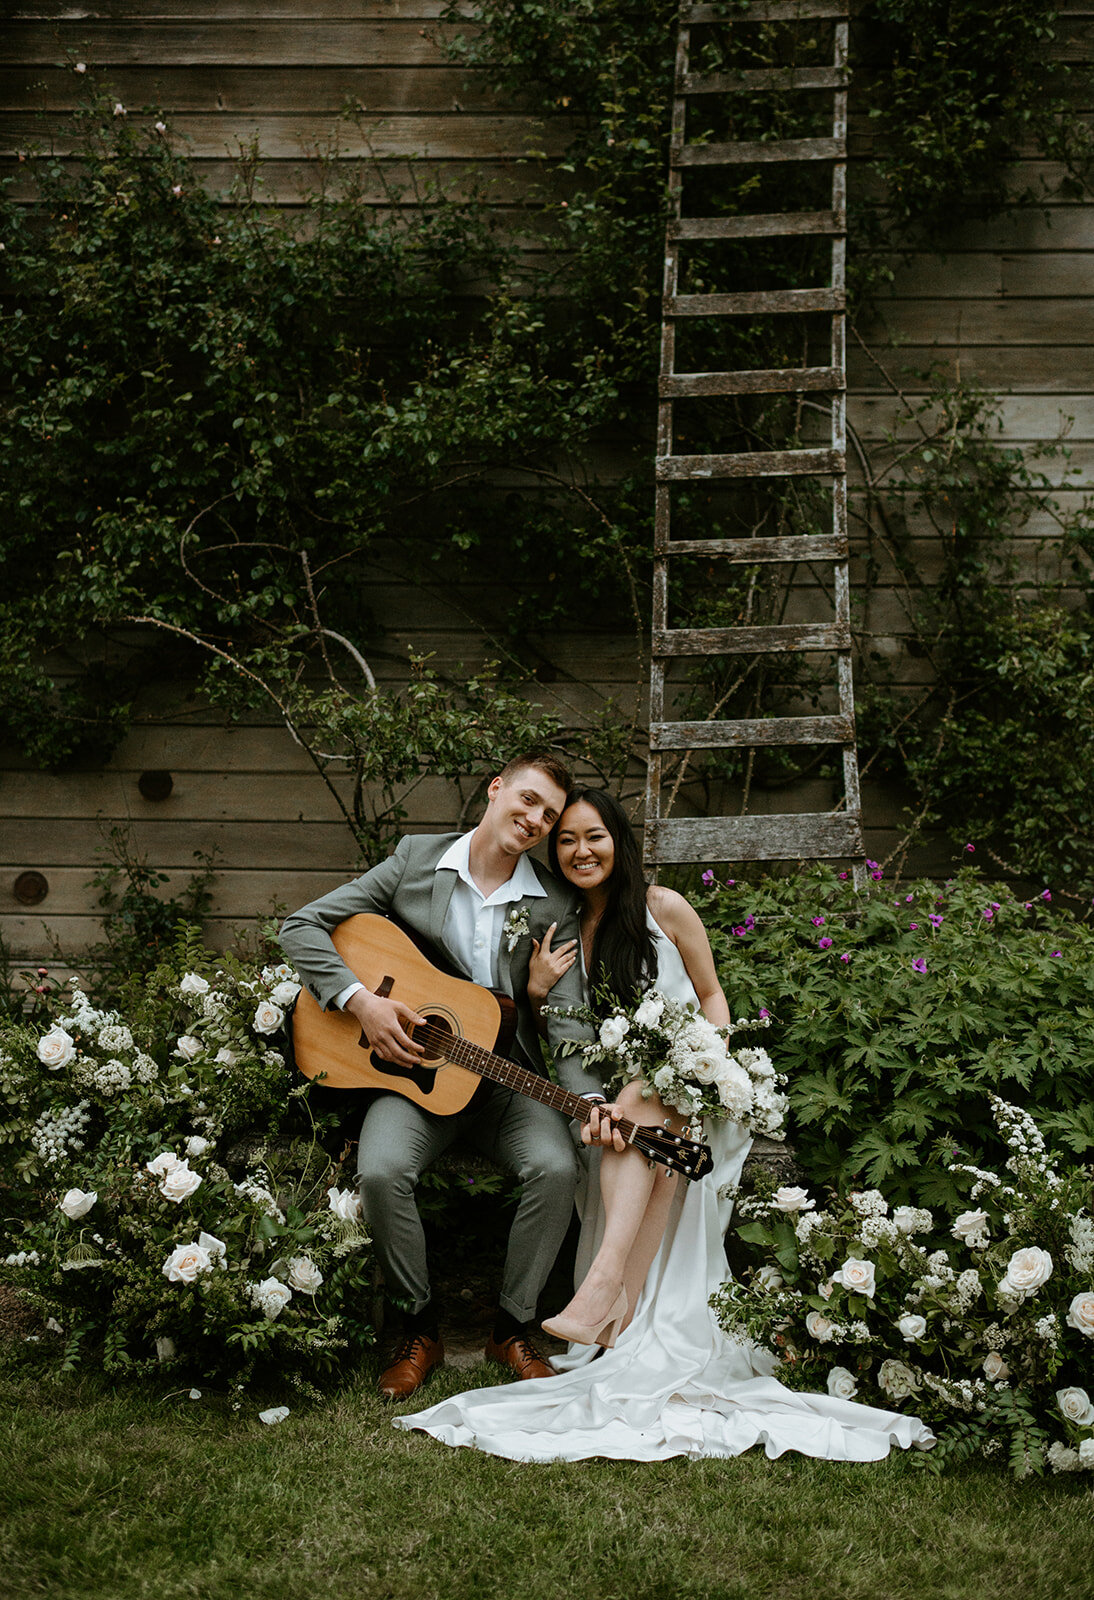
(671, 1149)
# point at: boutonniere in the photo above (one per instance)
(515, 927)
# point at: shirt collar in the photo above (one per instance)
(522, 885)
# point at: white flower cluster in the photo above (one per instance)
(1080, 1252)
(259, 1195)
(110, 1078)
(23, 1258)
(57, 1133)
(271, 1296)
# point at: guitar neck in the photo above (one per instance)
(463, 1053)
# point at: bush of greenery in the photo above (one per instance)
(898, 1009)
(168, 1199)
(981, 1322)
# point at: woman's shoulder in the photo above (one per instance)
(671, 912)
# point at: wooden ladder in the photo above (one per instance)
(835, 834)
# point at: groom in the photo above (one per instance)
(480, 900)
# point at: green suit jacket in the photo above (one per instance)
(408, 885)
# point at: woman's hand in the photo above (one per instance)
(601, 1127)
(547, 966)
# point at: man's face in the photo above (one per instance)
(523, 809)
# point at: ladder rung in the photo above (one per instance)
(754, 152)
(761, 225)
(751, 552)
(758, 380)
(758, 303)
(807, 836)
(740, 734)
(774, 78)
(794, 638)
(755, 464)
(767, 11)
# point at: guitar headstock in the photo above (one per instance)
(675, 1151)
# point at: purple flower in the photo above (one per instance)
(1029, 905)
(1057, 952)
(971, 848)
(823, 944)
(919, 965)
(818, 922)
(877, 876)
(934, 919)
(764, 1012)
(1046, 894)
(908, 898)
(730, 882)
(708, 878)
(843, 875)
(739, 933)
(750, 922)
(871, 866)
(845, 956)
(913, 927)
(995, 906)
(987, 913)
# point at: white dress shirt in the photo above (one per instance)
(474, 923)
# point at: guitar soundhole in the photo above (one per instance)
(435, 1050)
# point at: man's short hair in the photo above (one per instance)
(544, 761)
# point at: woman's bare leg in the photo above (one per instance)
(636, 1195)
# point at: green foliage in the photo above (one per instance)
(895, 1011)
(166, 1187)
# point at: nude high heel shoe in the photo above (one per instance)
(604, 1334)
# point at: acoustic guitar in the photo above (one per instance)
(463, 1024)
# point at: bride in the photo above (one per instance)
(649, 1373)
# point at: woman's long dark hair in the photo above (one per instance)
(624, 957)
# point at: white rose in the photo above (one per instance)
(818, 1326)
(179, 1184)
(218, 1250)
(909, 1219)
(345, 1203)
(896, 1380)
(196, 1146)
(164, 1163)
(77, 1204)
(995, 1368)
(271, 1296)
(841, 1384)
(304, 1275)
(912, 1327)
(268, 1017)
(165, 1348)
(226, 1057)
(1076, 1406)
(857, 1276)
(734, 1090)
(284, 994)
(1086, 1452)
(1027, 1270)
(56, 1049)
(185, 1262)
(194, 983)
(1080, 1315)
(188, 1047)
(768, 1278)
(787, 1199)
(613, 1030)
(971, 1227)
(650, 1012)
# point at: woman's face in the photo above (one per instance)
(586, 851)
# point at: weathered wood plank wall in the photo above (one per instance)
(1008, 305)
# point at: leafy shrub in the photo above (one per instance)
(983, 1322)
(895, 1011)
(167, 1194)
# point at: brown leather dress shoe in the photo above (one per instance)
(520, 1354)
(413, 1360)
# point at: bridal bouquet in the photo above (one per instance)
(686, 1060)
(981, 1323)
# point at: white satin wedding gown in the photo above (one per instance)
(675, 1383)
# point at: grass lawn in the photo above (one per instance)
(140, 1492)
